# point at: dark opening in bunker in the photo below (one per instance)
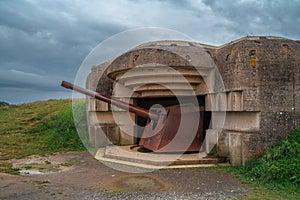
(167, 101)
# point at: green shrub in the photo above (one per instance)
(280, 164)
(3, 104)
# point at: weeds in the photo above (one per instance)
(8, 168)
(280, 164)
(70, 163)
(278, 170)
(39, 183)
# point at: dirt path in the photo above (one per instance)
(76, 175)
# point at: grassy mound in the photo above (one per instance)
(280, 164)
(60, 132)
(39, 128)
(277, 172)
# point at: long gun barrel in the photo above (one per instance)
(132, 108)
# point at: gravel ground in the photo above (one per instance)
(89, 179)
(163, 196)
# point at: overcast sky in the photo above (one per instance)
(45, 41)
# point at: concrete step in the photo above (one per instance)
(131, 156)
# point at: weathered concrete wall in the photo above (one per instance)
(98, 81)
(278, 67)
(265, 70)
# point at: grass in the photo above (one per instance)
(38, 183)
(6, 167)
(276, 174)
(47, 166)
(60, 130)
(70, 163)
(3, 104)
(38, 128)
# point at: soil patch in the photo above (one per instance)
(88, 178)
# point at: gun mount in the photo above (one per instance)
(164, 125)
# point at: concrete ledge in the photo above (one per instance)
(127, 156)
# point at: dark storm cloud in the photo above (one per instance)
(43, 42)
(260, 17)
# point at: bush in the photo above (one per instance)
(3, 104)
(280, 164)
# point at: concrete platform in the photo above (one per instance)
(129, 155)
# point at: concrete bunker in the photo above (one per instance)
(257, 107)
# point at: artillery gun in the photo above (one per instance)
(165, 130)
